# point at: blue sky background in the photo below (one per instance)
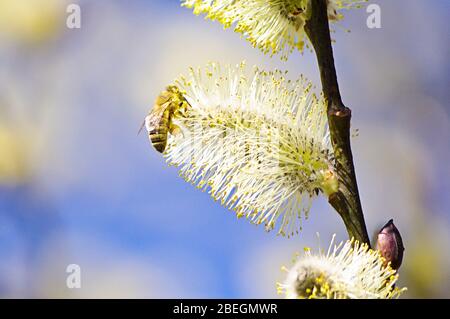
(96, 194)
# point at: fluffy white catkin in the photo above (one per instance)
(349, 270)
(258, 143)
(273, 26)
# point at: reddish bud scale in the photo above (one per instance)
(390, 244)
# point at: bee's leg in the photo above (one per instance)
(174, 129)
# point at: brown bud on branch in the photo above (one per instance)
(390, 244)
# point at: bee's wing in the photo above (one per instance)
(153, 120)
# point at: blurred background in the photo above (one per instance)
(79, 186)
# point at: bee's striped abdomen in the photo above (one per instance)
(159, 139)
(157, 123)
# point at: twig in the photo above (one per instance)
(346, 201)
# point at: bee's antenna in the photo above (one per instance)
(142, 126)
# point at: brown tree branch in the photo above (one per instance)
(346, 201)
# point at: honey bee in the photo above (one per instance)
(159, 120)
